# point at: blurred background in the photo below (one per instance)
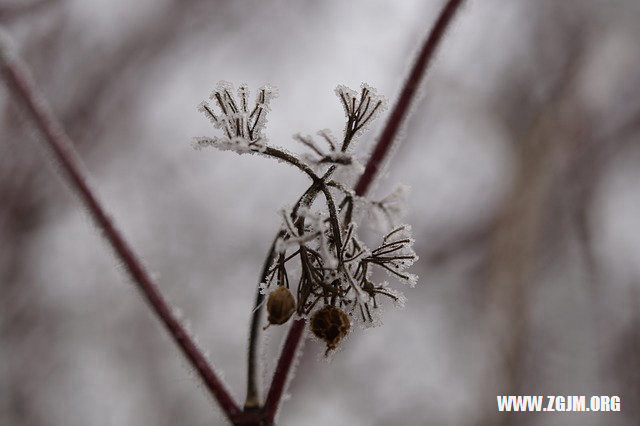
(522, 155)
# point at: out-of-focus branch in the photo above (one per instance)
(400, 110)
(20, 9)
(18, 80)
(518, 235)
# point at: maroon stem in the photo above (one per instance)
(407, 96)
(18, 80)
(296, 331)
(395, 120)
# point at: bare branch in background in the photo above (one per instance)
(11, 11)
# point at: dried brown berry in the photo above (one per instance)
(330, 324)
(280, 305)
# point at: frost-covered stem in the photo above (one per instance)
(252, 400)
(285, 362)
(253, 395)
(333, 218)
(312, 192)
(372, 168)
(407, 95)
(17, 78)
(288, 158)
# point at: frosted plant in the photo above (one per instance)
(318, 251)
(334, 277)
(242, 126)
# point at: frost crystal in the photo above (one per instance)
(362, 109)
(242, 126)
(385, 214)
(319, 247)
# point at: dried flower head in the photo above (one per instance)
(242, 125)
(330, 324)
(318, 245)
(280, 305)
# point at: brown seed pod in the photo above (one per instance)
(280, 305)
(330, 324)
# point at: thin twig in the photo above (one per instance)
(18, 80)
(290, 159)
(396, 118)
(252, 401)
(285, 362)
(253, 369)
(400, 110)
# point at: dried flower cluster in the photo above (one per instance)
(242, 126)
(318, 249)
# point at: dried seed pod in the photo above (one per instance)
(280, 305)
(330, 324)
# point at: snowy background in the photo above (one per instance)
(522, 156)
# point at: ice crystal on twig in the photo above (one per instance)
(319, 248)
(361, 109)
(319, 156)
(242, 125)
(385, 213)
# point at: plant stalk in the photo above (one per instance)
(22, 88)
(396, 118)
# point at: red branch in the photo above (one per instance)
(17, 78)
(407, 96)
(282, 369)
(395, 120)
